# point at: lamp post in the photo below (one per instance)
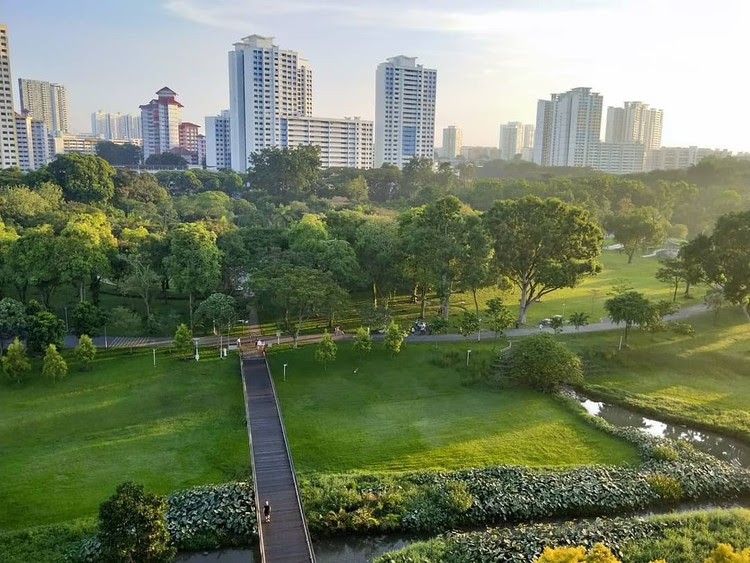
(285, 372)
(197, 354)
(468, 353)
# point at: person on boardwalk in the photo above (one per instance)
(267, 512)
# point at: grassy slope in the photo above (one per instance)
(705, 378)
(588, 297)
(407, 414)
(63, 449)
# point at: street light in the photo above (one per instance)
(468, 352)
(197, 354)
(285, 372)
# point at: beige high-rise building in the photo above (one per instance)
(452, 137)
(8, 138)
(45, 101)
(160, 123)
(635, 122)
(514, 138)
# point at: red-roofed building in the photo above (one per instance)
(160, 123)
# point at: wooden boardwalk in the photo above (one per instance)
(286, 537)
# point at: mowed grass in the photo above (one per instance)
(64, 448)
(588, 297)
(705, 378)
(405, 413)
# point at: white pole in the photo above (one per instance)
(620, 346)
(285, 372)
(467, 356)
(154, 357)
(105, 337)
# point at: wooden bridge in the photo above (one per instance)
(286, 537)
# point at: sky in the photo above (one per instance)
(494, 58)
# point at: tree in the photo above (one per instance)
(631, 308)
(133, 527)
(325, 351)
(54, 365)
(362, 342)
(194, 261)
(579, 319)
(636, 229)
(499, 316)
(557, 323)
(475, 260)
(715, 300)
(727, 263)
(394, 338)
(285, 173)
(85, 351)
(124, 321)
(119, 155)
(541, 362)
(295, 294)
(166, 159)
(140, 279)
(87, 318)
(468, 324)
(15, 361)
(543, 246)
(83, 249)
(691, 256)
(439, 324)
(355, 189)
(671, 272)
(33, 260)
(45, 329)
(377, 249)
(182, 344)
(83, 178)
(12, 320)
(220, 309)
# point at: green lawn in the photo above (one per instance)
(408, 414)
(588, 297)
(705, 378)
(64, 448)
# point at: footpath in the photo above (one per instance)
(253, 333)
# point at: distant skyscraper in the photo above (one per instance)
(218, 145)
(160, 122)
(24, 142)
(40, 141)
(404, 111)
(345, 143)
(47, 102)
(265, 84)
(189, 136)
(514, 138)
(8, 138)
(634, 123)
(452, 137)
(566, 126)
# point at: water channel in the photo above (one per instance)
(363, 549)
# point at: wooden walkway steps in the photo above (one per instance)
(286, 538)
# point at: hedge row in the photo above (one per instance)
(680, 538)
(433, 502)
(207, 517)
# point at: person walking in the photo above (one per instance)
(267, 512)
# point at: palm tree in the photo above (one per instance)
(579, 319)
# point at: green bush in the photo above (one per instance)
(665, 453)
(684, 329)
(437, 508)
(668, 488)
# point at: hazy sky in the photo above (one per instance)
(494, 58)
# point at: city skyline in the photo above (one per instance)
(494, 62)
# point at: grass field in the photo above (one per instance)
(405, 413)
(588, 297)
(705, 378)
(64, 448)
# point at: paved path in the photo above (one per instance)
(253, 328)
(286, 537)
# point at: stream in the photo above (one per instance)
(356, 549)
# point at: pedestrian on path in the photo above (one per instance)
(267, 512)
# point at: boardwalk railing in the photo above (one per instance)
(273, 470)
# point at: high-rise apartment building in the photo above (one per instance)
(24, 143)
(635, 122)
(189, 136)
(115, 125)
(514, 138)
(265, 84)
(452, 137)
(218, 144)
(8, 138)
(566, 126)
(40, 141)
(160, 122)
(404, 111)
(345, 143)
(45, 101)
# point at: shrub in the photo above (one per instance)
(665, 453)
(725, 553)
(86, 318)
(394, 338)
(435, 508)
(600, 553)
(16, 362)
(85, 351)
(325, 350)
(684, 329)
(362, 342)
(45, 329)
(182, 343)
(542, 363)
(54, 365)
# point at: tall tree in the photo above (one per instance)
(377, 248)
(543, 246)
(194, 261)
(636, 229)
(140, 279)
(631, 308)
(45, 329)
(691, 256)
(34, 260)
(84, 247)
(671, 272)
(285, 173)
(475, 262)
(84, 178)
(219, 309)
(727, 263)
(13, 320)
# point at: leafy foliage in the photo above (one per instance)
(12, 318)
(45, 329)
(182, 344)
(394, 338)
(85, 351)
(15, 361)
(631, 308)
(600, 553)
(54, 366)
(325, 350)
(84, 178)
(86, 318)
(362, 342)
